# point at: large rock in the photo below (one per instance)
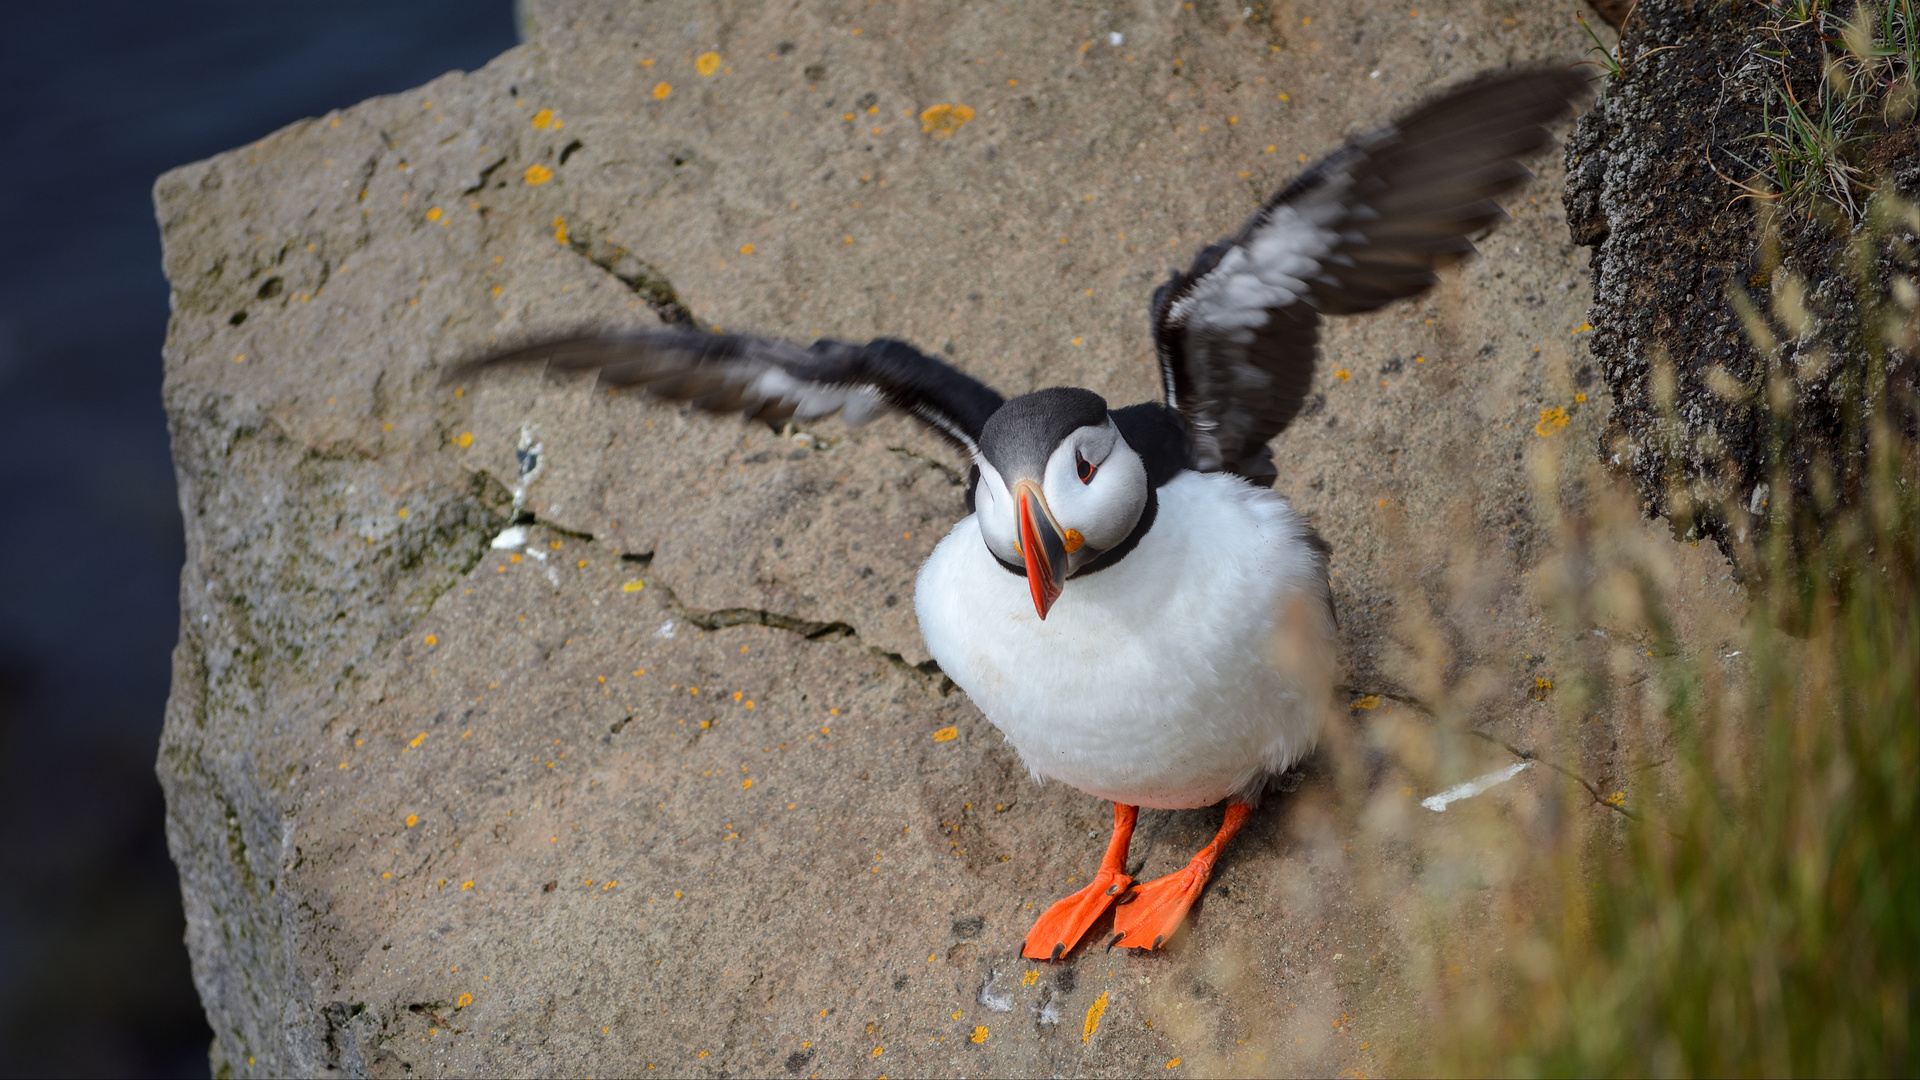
(675, 786)
(1703, 422)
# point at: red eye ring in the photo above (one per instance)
(1085, 468)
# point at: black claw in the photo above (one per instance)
(1113, 888)
(1058, 948)
(1158, 940)
(1115, 941)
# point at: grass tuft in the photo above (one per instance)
(1817, 134)
(1750, 903)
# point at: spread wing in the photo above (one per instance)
(1368, 224)
(774, 381)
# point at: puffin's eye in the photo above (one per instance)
(1085, 468)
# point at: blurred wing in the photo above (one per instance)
(1370, 223)
(774, 381)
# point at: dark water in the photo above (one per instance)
(99, 100)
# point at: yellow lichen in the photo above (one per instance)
(1371, 701)
(946, 734)
(538, 174)
(1094, 1012)
(463, 1001)
(707, 63)
(560, 229)
(1551, 420)
(434, 214)
(543, 119)
(979, 1034)
(944, 120)
(432, 640)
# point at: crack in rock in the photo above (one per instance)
(635, 273)
(721, 618)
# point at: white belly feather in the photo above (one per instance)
(1187, 672)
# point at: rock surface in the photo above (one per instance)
(1651, 183)
(669, 785)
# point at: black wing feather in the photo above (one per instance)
(770, 380)
(1373, 222)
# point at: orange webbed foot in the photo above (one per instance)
(1147, 918)
(1060, 929)
(1155, 910)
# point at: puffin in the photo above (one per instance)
(1127, 599)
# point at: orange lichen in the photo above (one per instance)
(979, 1034)
(543, 119)
(463, 1001)
(944, 120)
(1371, 701)
(745, 784)
(946, 734)
(538, 174)
(1343, 374)
(661, 90)
(1551, 420)
(707, 63)
(434, 214)
(412, 820)
(432, 639)
(417, 740)
(560, 229)
(1094, 1012)
(746, 249)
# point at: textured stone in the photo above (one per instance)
(1702, 421)
(443, 808)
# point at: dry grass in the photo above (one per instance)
(1754, 905)
(1842, 80)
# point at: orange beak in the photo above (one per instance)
(1041, 545)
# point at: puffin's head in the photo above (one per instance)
(1058, 486)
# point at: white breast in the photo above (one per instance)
(1186, 672)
